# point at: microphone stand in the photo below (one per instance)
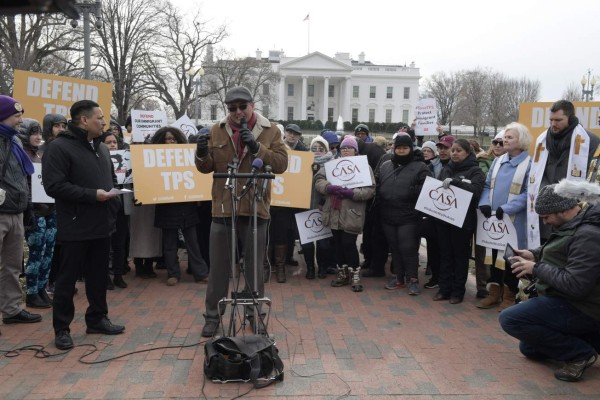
(241, 298)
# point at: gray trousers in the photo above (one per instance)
(12, 234)
(220, 260)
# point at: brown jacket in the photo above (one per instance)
(272, 151)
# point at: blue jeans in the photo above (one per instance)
(551, 328)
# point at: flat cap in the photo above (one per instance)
(239, 93)
(294, 129)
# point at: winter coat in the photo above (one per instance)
(398, 188)
(14, 181)
(176, 215)
(568, 265)
(517, 207)
(468, 176)
(350, 217)
(372, 151)
(72, 171)
(221, 150)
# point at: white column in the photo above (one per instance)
(304, 95)
(325, 99)
(282, 98)
(347, 97)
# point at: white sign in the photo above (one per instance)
(449, 205)
(185, 125)
(145, 123)
(349, 172)
(38, 194)
(494, 233)
(426, 117)
(121, 160)
(310, 226)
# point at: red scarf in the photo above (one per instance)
(235, 127)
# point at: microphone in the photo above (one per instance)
(256, 165)
(244, 123)
(268, 170)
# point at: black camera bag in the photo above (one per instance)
(245, 358)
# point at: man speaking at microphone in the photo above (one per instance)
(243, 136)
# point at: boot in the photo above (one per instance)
(309, 260)
(280, 250)
(322, 271)
(342, 278)
(119, 282)
(508, 299)
(310, 270)
(138, 264)
(494, 297)
(147, 268)
(109, 283)
(35, 301)
(355, 275)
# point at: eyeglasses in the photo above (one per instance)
(345, 148)
(497, 143)
(234, 108)
(317, 149)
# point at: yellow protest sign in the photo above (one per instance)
(166, 173)
(536, 116)
(42, 94)
(293, 187)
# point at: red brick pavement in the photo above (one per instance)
(374, 344)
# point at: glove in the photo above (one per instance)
(29, 219)
(202, 146)
(486, 211)
(248, 140)
(333, 189)
(446, 183)
(499, 213)
(137, 203)
(345, 193)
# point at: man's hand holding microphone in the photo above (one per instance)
(247, 137)
(202, 146)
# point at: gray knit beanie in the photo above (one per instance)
(549, 202)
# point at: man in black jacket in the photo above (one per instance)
(78, 172)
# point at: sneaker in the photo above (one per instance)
(572, 371)
(394, 284)
(431, 284)
(413, 287)
(172, 281)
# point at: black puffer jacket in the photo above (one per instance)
(72, 171)
(398, 188)
(468, 176)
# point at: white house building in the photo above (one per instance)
(318, 87)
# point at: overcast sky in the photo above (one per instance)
(550, 41)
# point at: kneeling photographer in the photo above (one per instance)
(563, 323)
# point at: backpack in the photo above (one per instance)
(243, 358)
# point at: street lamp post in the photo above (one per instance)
(197, 74)
(590, 82)
(87, 7)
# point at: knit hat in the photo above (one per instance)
(331, 137)
(349, 141)
(361, 128)
(320, 140)
(548, 201)
(8, 107)
(403, 139)
(431, 146)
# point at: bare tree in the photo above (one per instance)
(498, 100)
(520, 91)
(122, 46)
(475, 97)
(34, 42)
(572, 92)
(173, 68)
(445, 89)
(227, 72)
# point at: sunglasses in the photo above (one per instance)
(315, 149)
(498, 143)
(234, 108)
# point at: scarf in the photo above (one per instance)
(579, 142)
(235, 127)
(24, 161)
